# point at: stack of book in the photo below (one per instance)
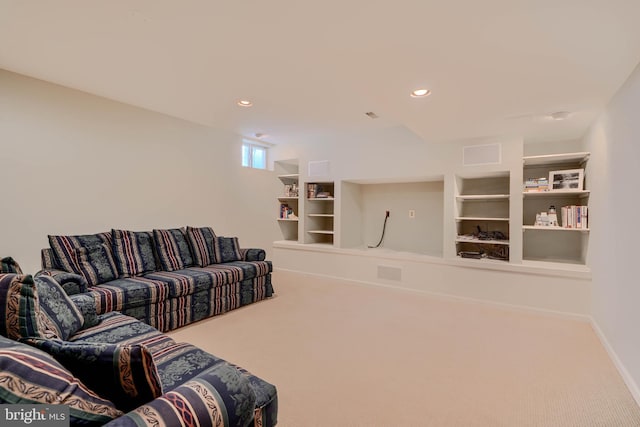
(575, 217)
(285, 211)
(312, 190)
(533, 185)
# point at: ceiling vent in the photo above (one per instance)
(475, 155)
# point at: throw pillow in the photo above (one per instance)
(133, 252)
(96, 264)
(226, 249)
(124, 374)
(63, 248)
(28, 376)
(201, 241)
(18, 306)
(173, 249)
(9, 265)
(58, 316)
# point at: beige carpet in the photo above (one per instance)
(344, 354)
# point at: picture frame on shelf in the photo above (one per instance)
(566, 180)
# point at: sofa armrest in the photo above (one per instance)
(220, 395)
(252, 254)
(71, 283)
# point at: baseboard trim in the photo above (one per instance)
(626, 377)
(502, 305)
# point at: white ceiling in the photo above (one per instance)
(312, 69)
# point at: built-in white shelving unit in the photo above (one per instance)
(288, 200)
(319, 209)
(482, 216)
(554, 244)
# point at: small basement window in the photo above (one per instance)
(254, 155)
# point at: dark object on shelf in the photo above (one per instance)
(470, 254)
(490, 235)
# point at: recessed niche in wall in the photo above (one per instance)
(363, 207)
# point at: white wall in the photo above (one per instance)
(614, 206)
(73, 163)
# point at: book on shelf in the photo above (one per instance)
(286, 212)
(535, 185)
(575, 217)
(312, 190)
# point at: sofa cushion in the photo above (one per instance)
(30, 376)
(173, 249)
(18, 306)
(9, 265)
(133, 252)
(96, 264)
(58, 316)
(63, 248)
(124, 374)
(220, 396)
(128, 293)
(226, 249)
(116, 328)
(201, 240)
(180, 362)
(87, 306)
(190, 280)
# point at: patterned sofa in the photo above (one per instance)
(166, 278)
(114, 369)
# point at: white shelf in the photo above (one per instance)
(322, 215)
(475, 218)
(557, 193)
(287, 198)
(482, 197)
(289, 176)
(320, 198)
(461, 239)
(330, 232)
(555, 159)
(543, 228)
(288, 219)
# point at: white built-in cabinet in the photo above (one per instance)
(482, 216)
(288, 199)
(319, 212)
(485, 217)
(561, 244)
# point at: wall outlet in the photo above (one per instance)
(412, 213)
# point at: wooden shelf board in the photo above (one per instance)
(481, 197)
(287, 198)
(320, 231)
(288, 219)
(556, 193)
(320, 198)
(536, 227)
(552, 159)
(482, 242)
(322, 215)
(473, 218)
(289, 176)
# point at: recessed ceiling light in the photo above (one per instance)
(245, 103)
(559, 115)
(420, 93)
